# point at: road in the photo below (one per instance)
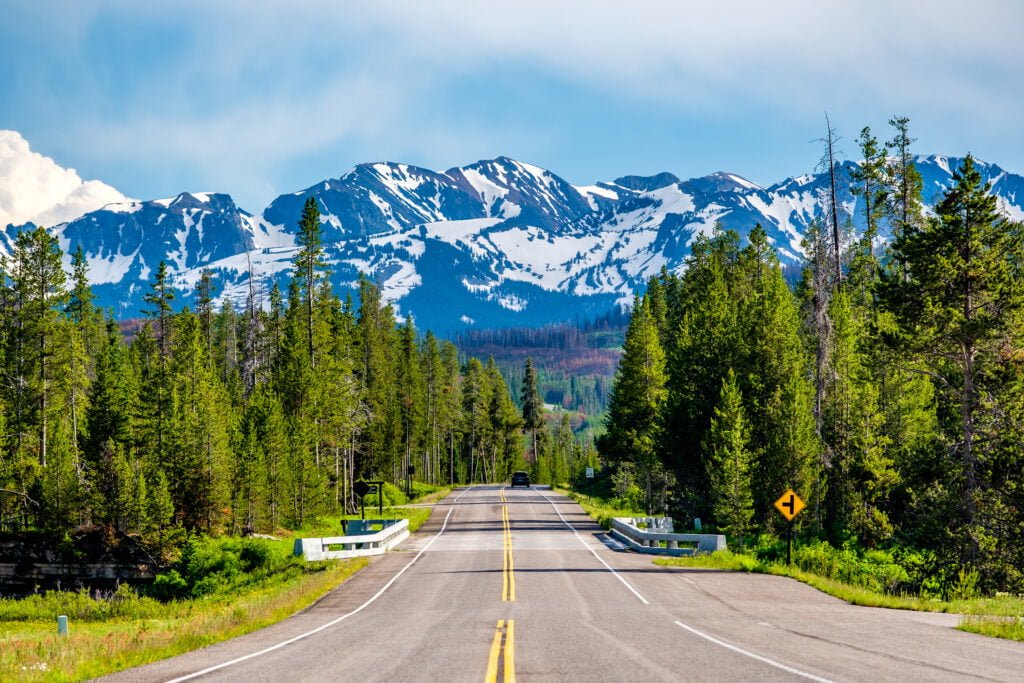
(506, 584)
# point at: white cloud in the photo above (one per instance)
(34, 188)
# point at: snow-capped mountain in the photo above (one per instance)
(494, 243)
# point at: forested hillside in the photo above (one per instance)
(887, 390)
(227, 420)
(575, 361)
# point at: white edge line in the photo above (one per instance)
(594, 552)
(366, 604)
(766, 660)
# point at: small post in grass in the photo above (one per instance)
(62, 625)
(361, 488)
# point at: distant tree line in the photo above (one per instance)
(575, 361)
(886, 388)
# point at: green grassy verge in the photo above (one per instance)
(601, 509)
(127, 630)
(1011, 629)
(149, 630)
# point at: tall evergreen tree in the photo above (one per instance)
(638, 397)
(729, 464)
(159, 298)
(309, 263)
(960, 300)
(532, 405)
(40, 288)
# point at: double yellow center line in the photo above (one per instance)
(508, 577)
(503, 651)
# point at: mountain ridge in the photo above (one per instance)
(495, 243)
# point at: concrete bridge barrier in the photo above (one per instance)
(362, 538)
(654, 536)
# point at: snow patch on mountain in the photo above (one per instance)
(495, 242)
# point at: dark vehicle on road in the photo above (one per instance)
(520, 478)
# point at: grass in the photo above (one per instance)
(599, 508)
(127, 630)
(433, 496)
(33, 652)
(1011, 629)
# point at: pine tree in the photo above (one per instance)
(475, 397)
(40, 288)
(638, 398)
(309, 264)
(960, 303)
(160, 298)
(411, 396)
(204, 308)
(199, 440)
(729, 464)
(772, 367)
(532, 405)
(451, 405)
(870, 185)
(905, 182)
(561, 461)
(860, 474)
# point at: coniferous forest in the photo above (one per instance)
(233, 421)
(886, 388)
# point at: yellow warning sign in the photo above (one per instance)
(790, 505)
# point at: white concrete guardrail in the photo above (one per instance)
(658, 531)
(361, 543)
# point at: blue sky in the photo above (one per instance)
(260, 98)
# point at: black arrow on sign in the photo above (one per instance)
(791, 504)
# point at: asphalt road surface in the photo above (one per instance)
(505, 584)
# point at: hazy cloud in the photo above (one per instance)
(232, 93)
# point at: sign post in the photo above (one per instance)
(789, 506)
(590, 482)
(361, 488)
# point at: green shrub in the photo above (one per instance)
(168, 586)
(875, 569)
(210, 566)
(255, 555)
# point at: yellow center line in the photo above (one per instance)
(511, 561)
(510, 653)
(492, 658)
(508, 577)
(502, 649)
(504, 560)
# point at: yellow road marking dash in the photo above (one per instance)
(510, 653)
